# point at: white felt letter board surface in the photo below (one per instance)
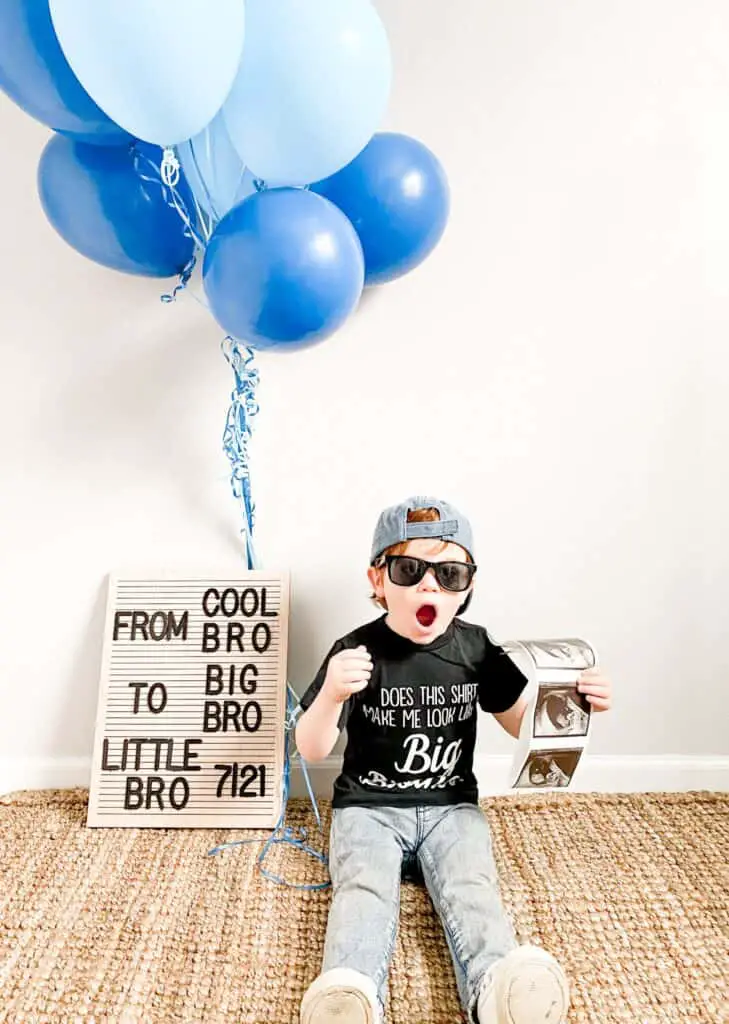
(192, 703)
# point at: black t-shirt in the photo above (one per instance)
(411, 731)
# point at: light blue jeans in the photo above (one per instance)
(371, 849)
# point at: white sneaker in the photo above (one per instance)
(340, 996)
(527, 986)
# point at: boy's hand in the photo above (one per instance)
(347, 673)
(597, 687)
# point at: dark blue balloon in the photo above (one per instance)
(396, 195)
(283, 269)
(36, 75)
(98, 201)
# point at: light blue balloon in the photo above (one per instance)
(159, 68)
(312, 87)
(214, 171)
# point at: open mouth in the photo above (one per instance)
(426, 614)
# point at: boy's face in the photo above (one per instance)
(424, 611)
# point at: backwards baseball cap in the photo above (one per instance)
(393, 526)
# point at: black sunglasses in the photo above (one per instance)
(406, 571)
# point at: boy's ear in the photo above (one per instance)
(375, 576)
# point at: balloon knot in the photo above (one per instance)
(170, 169)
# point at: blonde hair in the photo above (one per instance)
(415, 515)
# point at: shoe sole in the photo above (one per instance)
(340, 996)
(534, 990)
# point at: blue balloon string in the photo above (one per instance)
(236, 438)
(184, 279)
(149, 172)
(208, 197)
(237, 434)
(282, 833)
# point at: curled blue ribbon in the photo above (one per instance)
(149, 172)
(162, 178)
(237, 434)
(236, 437)
(281, 833)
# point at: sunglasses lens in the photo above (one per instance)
(404, 571)
(454, 575)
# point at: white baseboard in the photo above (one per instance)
(600, 773)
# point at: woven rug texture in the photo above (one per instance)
(139, 926)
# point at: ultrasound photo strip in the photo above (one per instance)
(556, 725)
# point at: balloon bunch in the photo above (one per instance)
(244, 129)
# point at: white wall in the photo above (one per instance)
(558, 368)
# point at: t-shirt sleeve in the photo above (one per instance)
(312, 691)
(500, 681)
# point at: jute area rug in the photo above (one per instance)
(140, 926)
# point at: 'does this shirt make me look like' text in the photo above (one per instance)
(411, 731)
